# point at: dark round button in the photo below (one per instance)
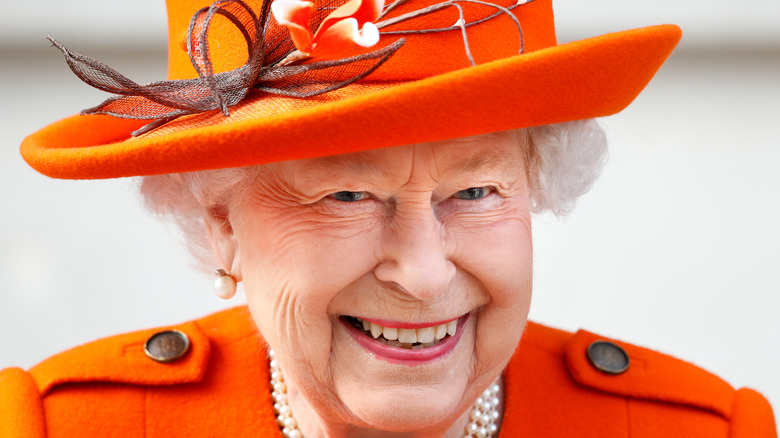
(608, 357)
(167, 346)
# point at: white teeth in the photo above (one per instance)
(452, 326)
(407, 335)
(391, 334)
(376, 329)
(426, 335)
(441, 331)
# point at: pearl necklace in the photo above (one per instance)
(482, 419)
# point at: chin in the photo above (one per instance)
(409, 410)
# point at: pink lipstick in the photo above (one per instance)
(415, 355)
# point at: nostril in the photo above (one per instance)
(420, 279)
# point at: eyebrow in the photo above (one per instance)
(490, 161)
(354, 163)
(361, 164)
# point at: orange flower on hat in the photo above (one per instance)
(348, 25)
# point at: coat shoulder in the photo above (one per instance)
(609, 385)
(21, 408)
(113, 381)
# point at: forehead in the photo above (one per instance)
(500, 151)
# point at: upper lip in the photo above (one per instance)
(407, 325)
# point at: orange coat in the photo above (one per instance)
(110, 388)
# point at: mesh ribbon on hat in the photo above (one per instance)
(273, 65)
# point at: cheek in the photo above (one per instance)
(299, 245)
(501, 260)
(496, 247)
(293, 264)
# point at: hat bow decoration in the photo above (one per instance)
(284, 56)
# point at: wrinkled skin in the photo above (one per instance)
(396, 234)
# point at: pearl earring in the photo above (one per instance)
(225, 285)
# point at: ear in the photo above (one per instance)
(223, 242)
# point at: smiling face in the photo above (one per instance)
(340, 255)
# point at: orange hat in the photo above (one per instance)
(408, 72)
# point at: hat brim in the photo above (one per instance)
(590, 78)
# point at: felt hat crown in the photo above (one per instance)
(248, 86)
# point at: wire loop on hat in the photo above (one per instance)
(461, 23)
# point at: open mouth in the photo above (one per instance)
(408, 338)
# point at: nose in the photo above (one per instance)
(416, 254)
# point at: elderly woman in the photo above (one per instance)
(368, 172)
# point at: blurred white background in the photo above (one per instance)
(676, 248)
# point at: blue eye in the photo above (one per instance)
(347, 196)
(471, 193)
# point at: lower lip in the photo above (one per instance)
(405, 356)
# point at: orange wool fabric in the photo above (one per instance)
(670, 380)
(424, 55)
(220, 388)
(124, 357)
(426, 92)
(21, 412)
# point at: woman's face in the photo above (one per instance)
(407, 238)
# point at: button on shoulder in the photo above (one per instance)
(122, 359)
(167, 346)
(651, 375)
(608, 357)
